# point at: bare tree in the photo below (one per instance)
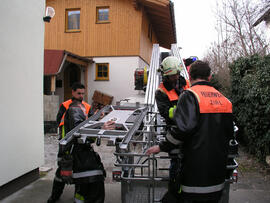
(238, 20)
(235, 29)
(265, 3)
(236, 35)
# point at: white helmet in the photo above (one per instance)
(170, 66)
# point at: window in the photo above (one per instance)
(73, 20)
(102, 71)
(102, 15)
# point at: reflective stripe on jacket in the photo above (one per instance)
(202, 190)
(66, 105)
(87, 173)
(172, 95)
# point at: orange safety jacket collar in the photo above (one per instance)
(66, 105)
(187, 85)
(171, 94)
(210, 100)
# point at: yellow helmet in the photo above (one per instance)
(170, 66)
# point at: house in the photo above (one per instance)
(101, 42)
(264, 17)
(21, 79)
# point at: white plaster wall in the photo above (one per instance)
(121, 77)
(21, 82)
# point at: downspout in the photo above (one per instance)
(173, 20)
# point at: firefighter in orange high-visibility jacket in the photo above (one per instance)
(166, 96)
(204, 126)
(77, 94)
(78, 90)
(170, 88)
(79, 165)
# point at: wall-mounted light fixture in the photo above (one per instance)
(49, 14)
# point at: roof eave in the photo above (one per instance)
(262, 18)
(164, 7)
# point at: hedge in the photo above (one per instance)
(250, 95)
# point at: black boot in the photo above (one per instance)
(57, 190)
(52, 200)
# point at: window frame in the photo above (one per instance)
(97, 14)
(66, 20)
(102, 78)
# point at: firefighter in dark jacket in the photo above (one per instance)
(77, 96)
(204, 126)
(170, 88)
(166, 96)
(82, 165)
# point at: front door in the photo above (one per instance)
(72, 74)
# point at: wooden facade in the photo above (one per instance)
(118, 37)
(147, 38)
(126, 33)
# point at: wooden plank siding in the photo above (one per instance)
(146, 44)
(124, 35)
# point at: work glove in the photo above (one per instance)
(66, 164)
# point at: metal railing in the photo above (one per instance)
(175, 52)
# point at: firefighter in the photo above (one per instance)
(204, 125)
(167, 96)
(81, 165)
(77, 95)
(170, 88)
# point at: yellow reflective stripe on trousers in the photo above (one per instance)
(202, 190)
(78, 198)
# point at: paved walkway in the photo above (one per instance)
(253, 182)
(252, 187)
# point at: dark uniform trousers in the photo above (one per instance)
(90, 192)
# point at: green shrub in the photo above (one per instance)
(215, 82)
(250, 94)
(221, 81)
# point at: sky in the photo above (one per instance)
(195, 26)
